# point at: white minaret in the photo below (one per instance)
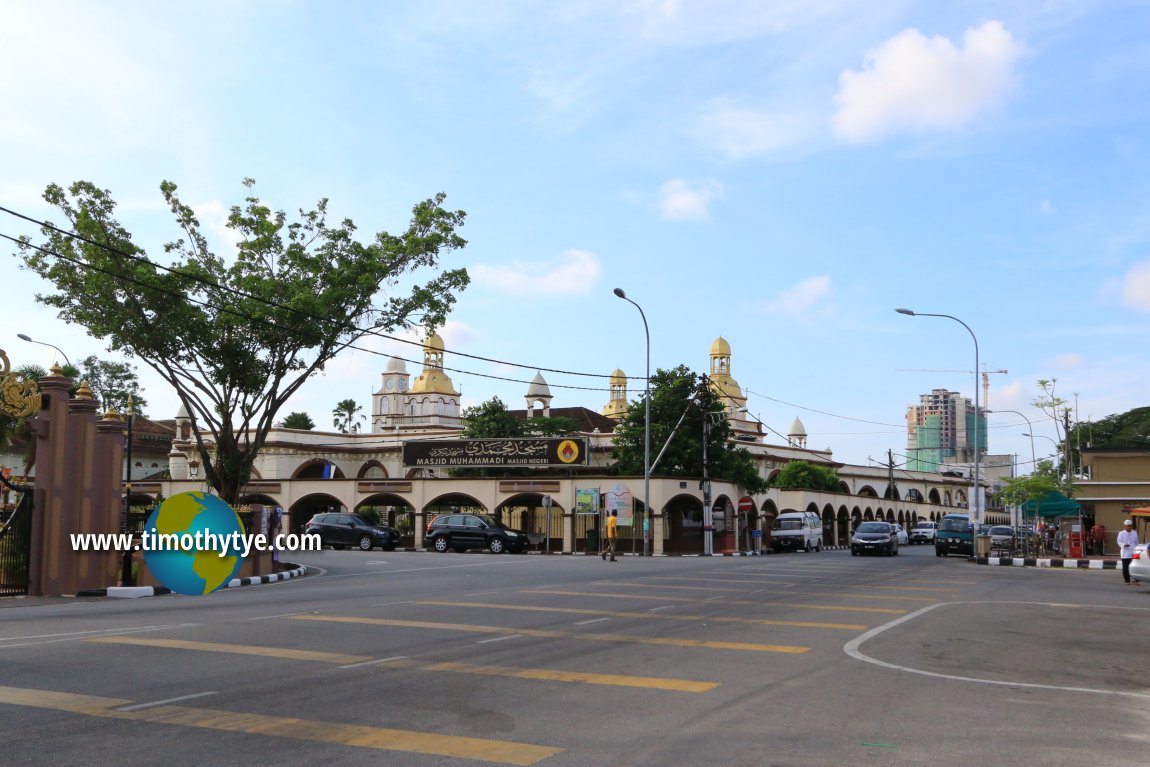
(538, 393)
(391, 399)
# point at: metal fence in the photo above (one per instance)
(16, 545)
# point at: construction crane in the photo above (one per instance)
(985, 379)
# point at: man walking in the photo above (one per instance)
(1127, 540)
(1098, 538)
(612, 535)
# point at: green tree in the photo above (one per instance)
(549, 426)
(346, 416)
(681, 393)
(299, 420)
(111, 383)
(491, 420)
(804, 475)
(237, 335)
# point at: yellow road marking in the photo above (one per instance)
(907, 588)
(556, 675)
(236, 649)
(693, 600)
(649, 616)
(358, 736)
(553, 675)
(684, 588)
(538, 633)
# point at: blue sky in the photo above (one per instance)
(783, 174)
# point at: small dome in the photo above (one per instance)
(538, 387)
(618, 377)
(396, 365)
(720, 348)
(183, 411)
(433, 343)
(797, 429)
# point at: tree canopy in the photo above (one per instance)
(804, 475)
(678, 394)
(298, 420)
(111, 383)
(346, 416)
(237, 334)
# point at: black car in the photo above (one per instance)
(877, 537)
(460, 532)
(339, 530)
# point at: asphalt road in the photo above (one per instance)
(408, 658)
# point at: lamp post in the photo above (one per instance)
(977, 411)
(1033, 459)
(24, 337)
(646, 431)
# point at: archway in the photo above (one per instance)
(843, 533)
(828, 516)
(683, 525)
(391, 510)
(527, 512)
(318, 468)
(310, 505)
(372, 470)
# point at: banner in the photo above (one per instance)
(587, 500)
(548, 451)
(619, 499)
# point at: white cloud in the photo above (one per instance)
(1136, 287)
(573, 273)
(912, 83)
(1046, 208)
(800, 299)
(1069, 361)
(739, 131)
(679, 201)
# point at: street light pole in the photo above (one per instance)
(1033, 459)
(977, 412)
(647, 521)
(24, 337)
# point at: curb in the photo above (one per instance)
(1070, 564)
(257, 580)
(137, 592)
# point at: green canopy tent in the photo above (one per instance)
(1051, 505)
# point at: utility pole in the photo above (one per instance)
(890, 474)
(708, 519)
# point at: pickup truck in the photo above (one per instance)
(922, 532)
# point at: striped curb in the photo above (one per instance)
(137, 592)
(1070, 564)
(257, 580)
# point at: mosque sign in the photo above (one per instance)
(479, 453)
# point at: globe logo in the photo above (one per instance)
(192, 543)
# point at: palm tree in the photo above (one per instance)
(346, 416)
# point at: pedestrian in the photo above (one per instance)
(1127, 540)
(1098, 538)
(612, 535)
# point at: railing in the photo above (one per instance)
(16, 544)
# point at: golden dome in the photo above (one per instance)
(618, 378)
(720, 348)
(433, 343)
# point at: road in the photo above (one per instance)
(413, 658)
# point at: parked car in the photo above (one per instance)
(340, 530)
(460, 532)
(922, 532)
(903, 537)
(876, 537)
(954, 536)
(796, 530)
(1002, 537)
(1140, 565)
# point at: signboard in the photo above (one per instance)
(551, 451)
(619, 499)
(587, 500)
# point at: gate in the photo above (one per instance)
(16, 544)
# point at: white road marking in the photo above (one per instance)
(155, 703)
(851, 648)
(593, 620)
(81, 635)
(498, 639)
(281, 615)
(373, 662)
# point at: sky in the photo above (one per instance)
(781, 174)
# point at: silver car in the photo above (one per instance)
(1140, 565)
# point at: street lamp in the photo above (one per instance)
(24, 337)
(646, 432)
(1033, 459)
(977, 412)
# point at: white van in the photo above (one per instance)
(794, 530)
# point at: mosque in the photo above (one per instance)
(306, 472)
